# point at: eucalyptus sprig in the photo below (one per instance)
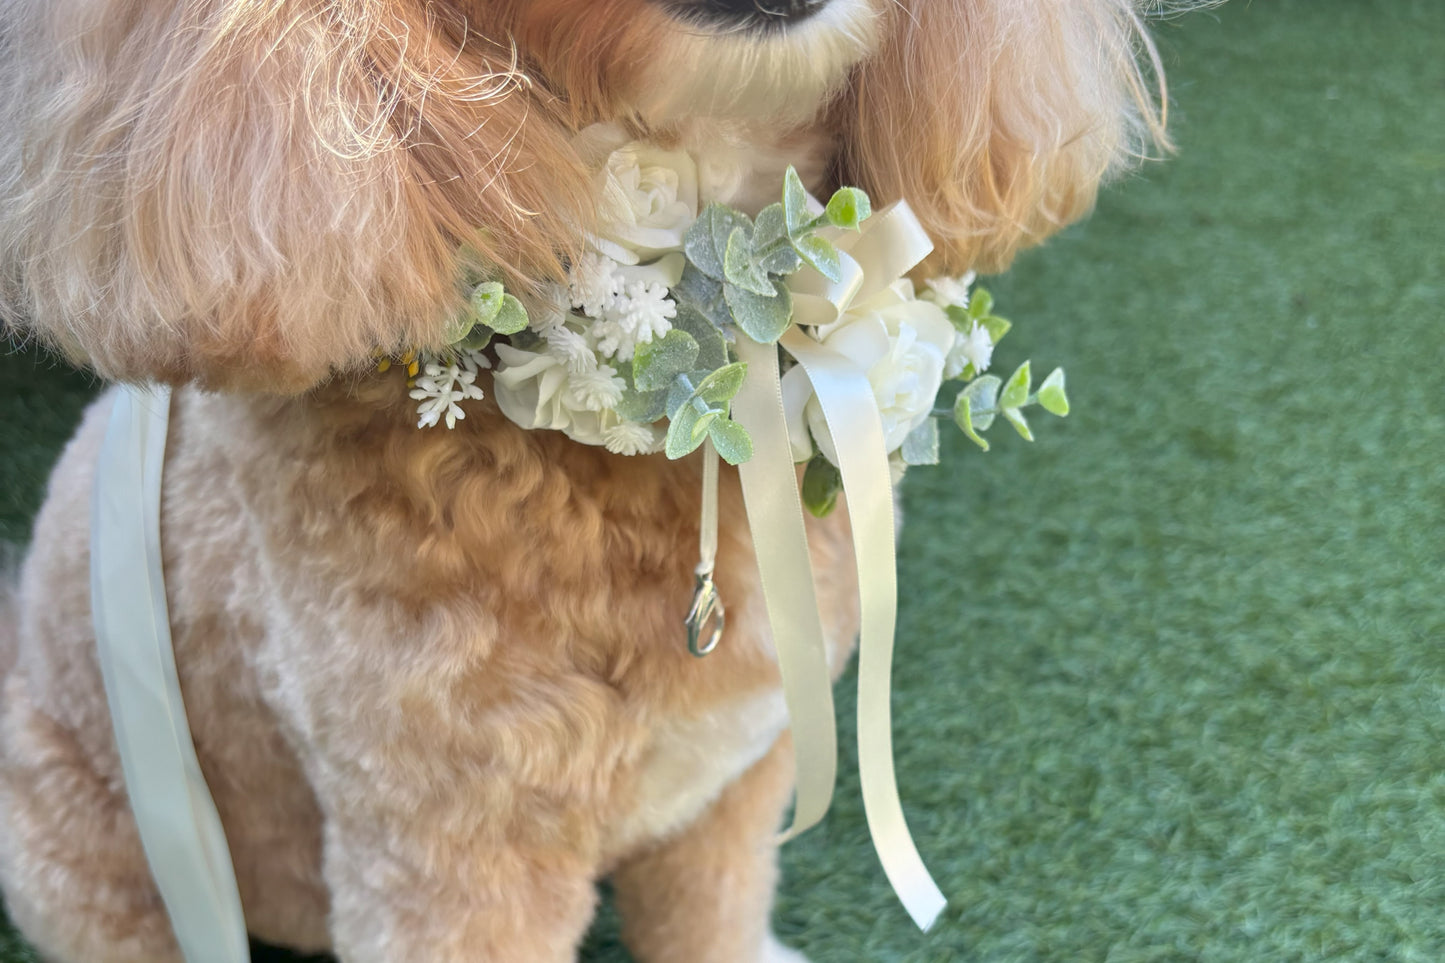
(733, 277)
(987, 397)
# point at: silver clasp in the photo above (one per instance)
(706, 606)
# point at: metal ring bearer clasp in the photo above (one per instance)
(706, 607)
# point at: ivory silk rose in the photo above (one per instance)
(902, 343)
(649, 200)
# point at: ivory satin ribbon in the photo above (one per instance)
(180, 830)
(891, 243)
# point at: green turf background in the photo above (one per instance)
(1170, 682)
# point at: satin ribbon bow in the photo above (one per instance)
(890, 244)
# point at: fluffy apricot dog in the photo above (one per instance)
(437, 679)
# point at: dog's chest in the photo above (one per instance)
(688, 762)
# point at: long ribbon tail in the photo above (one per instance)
(775, 515)
(179, 827)
(849, 407)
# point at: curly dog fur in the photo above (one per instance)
(435, 678)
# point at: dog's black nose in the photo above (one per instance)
(761, 13)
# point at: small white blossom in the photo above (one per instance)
(572, 349)
(949, 291)
(550, 309)
(442, 386)
(974, 348)
(593, 284)
(642, 312)
(597, 390)
(631, 438)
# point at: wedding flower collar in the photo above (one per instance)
(790, 337)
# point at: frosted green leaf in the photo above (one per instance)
(679, 395)
(783, 260)
(486, 301)
(920, 447)
(703, 293)
(662, 359)
(771, 225)
(821, 485)
(642, 406)
(982, 394)
(980, 304)
(763, 319)
(848, 207)
(459, 326)
(1051, 394)
(1016, 391)
(963, 418)
(720, 386)
(738, 266)
(996, 327)
(1020, 423)
(795, 202)
(820, 253)
(476, 339)
(731, 440)
(702, 424)
(680, 440)
(510, 318)
(712, 348)
(707, 239)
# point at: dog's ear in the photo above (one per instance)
(997, 119)
(252, 194)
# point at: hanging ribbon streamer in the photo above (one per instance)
(890, 244)
(852, 414)
(780, 542)
(180, 830)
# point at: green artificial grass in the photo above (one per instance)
(1170, 682)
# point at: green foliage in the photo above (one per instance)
(489, 311)
(822, 483)
(848, 208)
(822, 255)
(979, 310)
(662, 359)
(764, 319)
(986, 397)
(1051, 394)
(921, 445)
(512, 317)
(1016, 389)
(795, 203)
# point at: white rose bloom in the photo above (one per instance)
(532, 390)
(902, 343)
(536, 390)
(649, 200)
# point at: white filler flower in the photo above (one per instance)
(439, 387)
(945, 291)
(902, 343)
(974, 348)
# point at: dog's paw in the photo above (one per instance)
(775, 952)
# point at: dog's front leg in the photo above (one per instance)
(705, 896)
(411, 890)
